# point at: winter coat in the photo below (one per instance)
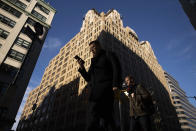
(141, 102)
(103, 75)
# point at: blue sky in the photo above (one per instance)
(162, 22)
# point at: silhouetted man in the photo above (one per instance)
(103, 76)
(140, 105)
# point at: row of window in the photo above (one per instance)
(18, 3)
(66, 54)
(180, 112)
(182, 118)
(39, 16)
(9, 9)
(31, 21)
(176, 87)
(42, 8)
(3, 34)
(23, 43)
(70, 67)
(185, 104)
(16, 55)
(7, 21)
(184, 124)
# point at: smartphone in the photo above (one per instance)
(78, 58)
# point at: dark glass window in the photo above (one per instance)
(18, 3)
(16, 55)
(23, 43)
(3, 34)
(42, 8)
(39, 16)
(7, 21)
(31, 21)
(9, 9)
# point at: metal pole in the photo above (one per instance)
(120, 111)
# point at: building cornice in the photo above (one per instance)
(27, 13)
(47, 5)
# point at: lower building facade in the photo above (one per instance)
(186, 112)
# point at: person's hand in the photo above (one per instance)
(81, 64)
(116, 93)
(115, 88)
(126, 93)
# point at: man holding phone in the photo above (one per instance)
(104, 76)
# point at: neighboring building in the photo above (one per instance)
(186, 112)
(18, 55)
(69, 111)
(189, 7)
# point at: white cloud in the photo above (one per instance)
(186, 51)
(21, 107)
(181, 48)
(52, 43)
(34, 81)
(181, 40)
(172, 44)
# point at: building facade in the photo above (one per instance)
(186, 112)
(136, 58)
(18, 52)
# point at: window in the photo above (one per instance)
(61, 58)
(59, 69)
(60, 63)
(65, 65)
(16, 55)
(57, 76)
(3, 34)
(62, 78)
(65, 59)
(63, 71)
(18, 3)
(23, 43)
(7, 21)
(42, 8)
(39, 16)
(184, 123)
(67, 53)
(56, 63)
(31, 21)
(180, 112)
(56, 82)
(0, 45)
(9, 9)
(48, 77)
